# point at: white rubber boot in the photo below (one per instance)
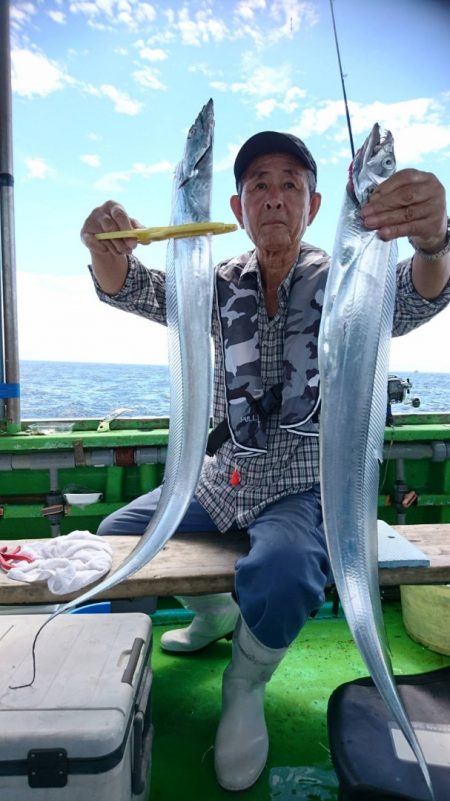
(242, 742)
(215, 617)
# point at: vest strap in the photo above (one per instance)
(265, 406)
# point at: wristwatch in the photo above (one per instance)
(434, 256)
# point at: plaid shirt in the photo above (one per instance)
(291, 464)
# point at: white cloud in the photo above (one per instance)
(250, 32)
(262, 80)
(246, 8)
(258, 80)
(152, 169)
(86, 8)
(289, 16)
(153, 54)
(219, 86)
(294, 14)
(420, 125)
(320, 118)
(258, 22)
(61, 316)
(287, 104)
(112, 181)
(144, 12)
(266, 107)
(419, 350)
(419, 140)
(57, 16)
(165, 35)
(133, 18)
(202, 28)
(21, 15)
(37, 168)
(34, 74)
(105, 14)
(123, 104)
(202, 68)
(272, 85)
(335, 158)
(225, 164)
(149, 79)
(398, 115)
(90, 159)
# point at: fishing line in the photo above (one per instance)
(33, 656)
(347, 112)
(387, 459)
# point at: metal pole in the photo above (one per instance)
(9, 350)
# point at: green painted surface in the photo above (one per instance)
(186, 706)
(146, 431)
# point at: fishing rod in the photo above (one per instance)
(347, 112)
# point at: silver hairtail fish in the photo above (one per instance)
(354, 344)
(189, 295)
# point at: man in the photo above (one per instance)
(265, 476)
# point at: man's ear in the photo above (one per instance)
(236, 208)
(314, 206)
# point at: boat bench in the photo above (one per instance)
(203, 562)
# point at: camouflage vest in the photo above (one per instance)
(237, 308)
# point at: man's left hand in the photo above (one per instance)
(410, 203)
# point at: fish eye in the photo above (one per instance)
(388, 163)
(192, 131)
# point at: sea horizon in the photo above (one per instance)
(166, 364)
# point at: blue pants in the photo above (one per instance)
(283, 577)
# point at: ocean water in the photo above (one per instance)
(52, 390)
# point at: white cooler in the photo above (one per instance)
(82, 731)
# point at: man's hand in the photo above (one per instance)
(410, 203)
(109, 256)
(111, 216)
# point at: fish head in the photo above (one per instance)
(197, 157)
(373, 163)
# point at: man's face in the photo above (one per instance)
(275, 206)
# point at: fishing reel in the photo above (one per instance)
(398, 391)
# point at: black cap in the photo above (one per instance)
(272, 142)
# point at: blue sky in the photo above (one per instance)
(103, 95)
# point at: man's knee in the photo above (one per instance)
(132, 518)
(125, 521)
(108, 526)
(287, 578)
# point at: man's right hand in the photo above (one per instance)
(109, 256)
(111, 216)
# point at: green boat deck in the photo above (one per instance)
(186, 709)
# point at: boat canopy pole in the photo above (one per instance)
(9, 350)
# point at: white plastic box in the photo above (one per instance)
(82, 731)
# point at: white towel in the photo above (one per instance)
(67, 563)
